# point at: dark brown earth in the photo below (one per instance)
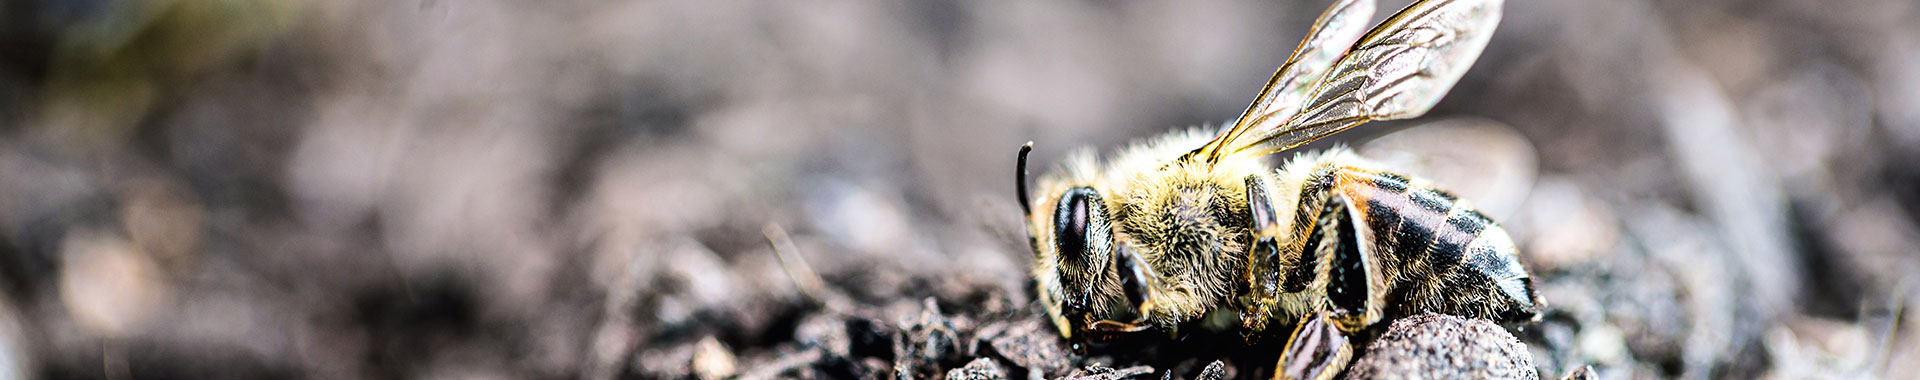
(1436, 346)
(679, 189)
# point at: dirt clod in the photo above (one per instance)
(979, 369)
(1582, 373)
(1033, 347)
(1098, 372)
(926, 343)
(1436, 346)
(1214, 371)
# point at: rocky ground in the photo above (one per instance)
(595, 189)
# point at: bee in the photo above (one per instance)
(1195, 227)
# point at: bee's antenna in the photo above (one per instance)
(1020, 179)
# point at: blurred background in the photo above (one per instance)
(566, 189)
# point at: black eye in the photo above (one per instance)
(1133, 281)
(1078, 212)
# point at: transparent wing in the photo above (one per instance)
(1336, 30)
(1477, 158)
(1398, 70)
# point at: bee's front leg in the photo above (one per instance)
(1317, 350)
(1264, 263)
(1286, 255)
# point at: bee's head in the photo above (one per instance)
(1089, 283)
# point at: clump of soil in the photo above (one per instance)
(1438, 346)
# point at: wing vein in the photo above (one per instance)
(1398, 69)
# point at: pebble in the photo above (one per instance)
(712, 360)
(927, 341)
(979, 369)
(1097, 372)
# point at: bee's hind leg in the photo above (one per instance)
(1317, 350)
(1321, 345)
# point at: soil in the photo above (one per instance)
(616, 190)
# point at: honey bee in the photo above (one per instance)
(1195, 227)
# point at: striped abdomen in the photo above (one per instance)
(1440, 254)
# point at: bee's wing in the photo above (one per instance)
(1398, 70)
(1336, 29)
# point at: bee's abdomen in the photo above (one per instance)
(1444, 255)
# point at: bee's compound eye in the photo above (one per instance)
(1076, 222)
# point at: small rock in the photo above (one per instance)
(1032, 346)
(704, 359)
(670, 362)
(827, 332)
(925, 343)
(712, 360)
(1585, 372)
(1436, 346)
(109, 285)
(1098, 372)
(979, 369)
(1214, 371)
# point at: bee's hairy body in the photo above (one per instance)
(1192, 226)
(1195, 228)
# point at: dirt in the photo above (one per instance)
(1436, 346)
(620, 190)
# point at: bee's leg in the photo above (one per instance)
(1320, 346)
(1350, 281)
(1317, 350)
(1264, 264)
(1287, 255)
